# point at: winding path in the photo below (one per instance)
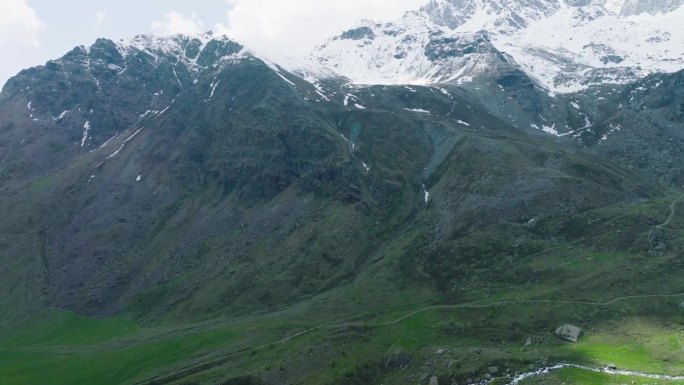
(182, 373)
(673, 211)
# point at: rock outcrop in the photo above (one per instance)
(569, 333)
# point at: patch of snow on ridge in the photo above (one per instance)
(426, 194)
(551, 130)
(275, 69)
(309, 77)
(86, 131)
(418, 110)
(213, 86)
(365, 166)
(160, 48)
(62, 115)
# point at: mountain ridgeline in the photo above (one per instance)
(185, 180)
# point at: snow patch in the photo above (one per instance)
(365, 166)
(551, 130)
(613, 129)
(309, 77)
(275, 69)
(86, 131)
(426, 194)
(62, 115)
(214, 84)
(123, 144)
(418, 110)
(445, 92)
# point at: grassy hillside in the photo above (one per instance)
(262, 236)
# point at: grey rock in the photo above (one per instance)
(358, 34)
(398, 360)
(493, 369)
(657, 241)
(528, 341)
(434, 380)
(569, 333)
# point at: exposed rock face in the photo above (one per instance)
(509, 14)
(657, 241)
(434, 380)
(569, 333)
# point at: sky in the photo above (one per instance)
(34, 31)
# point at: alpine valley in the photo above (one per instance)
(447, 198)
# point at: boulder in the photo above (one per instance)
(397, 360)
(434, 380)
(569, 333)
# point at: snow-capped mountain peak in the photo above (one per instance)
(565, 45)
(195, 51)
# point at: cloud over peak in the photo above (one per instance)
(19, 23)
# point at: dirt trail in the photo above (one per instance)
(673, 211)
(180, 374)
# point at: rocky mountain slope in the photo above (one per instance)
(200, 192)
(563, 46)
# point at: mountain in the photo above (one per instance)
(412, 202)
(563, 46)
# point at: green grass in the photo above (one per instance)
(641, 335)
(107, 366)
(69, 349)
(69, 329)
(584, 377)
(636, 344)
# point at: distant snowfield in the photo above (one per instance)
(642, 43)
(566, 51)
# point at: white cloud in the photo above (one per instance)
(177, 22)
(19, 23)
(100, 17)
(294, 27)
